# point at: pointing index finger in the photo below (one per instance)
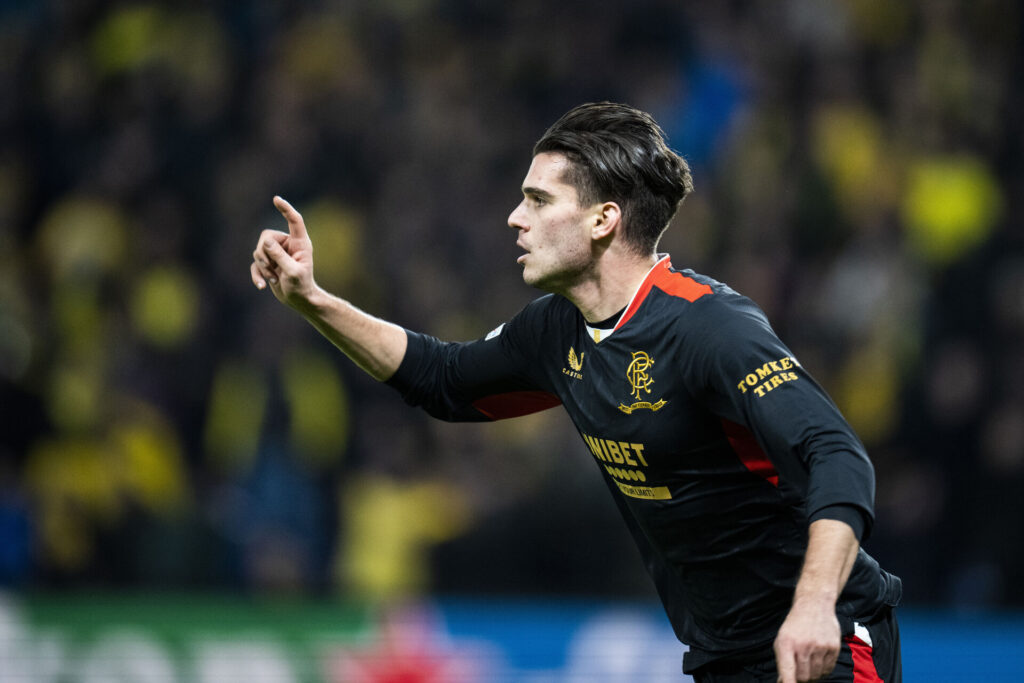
(785, 662)
(296, 226)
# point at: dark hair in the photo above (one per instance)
(618, 153)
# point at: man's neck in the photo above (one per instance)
(611, 286)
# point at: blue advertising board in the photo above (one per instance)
(211, 639)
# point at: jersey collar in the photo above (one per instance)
(662, 265)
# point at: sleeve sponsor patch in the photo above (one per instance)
(765, 378)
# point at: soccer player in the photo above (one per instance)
(744, 487)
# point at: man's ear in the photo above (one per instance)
(607, 219)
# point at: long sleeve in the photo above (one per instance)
(487, 379)
(751, 378)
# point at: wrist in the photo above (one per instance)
(312, 304)
(815, 599)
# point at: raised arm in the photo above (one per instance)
(284, 262)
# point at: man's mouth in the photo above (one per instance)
(524, 255)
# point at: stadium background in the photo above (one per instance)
(173, 439)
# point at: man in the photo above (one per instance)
(746, 491)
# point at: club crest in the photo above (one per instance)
(639, 375)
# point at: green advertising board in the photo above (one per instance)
(176, 639)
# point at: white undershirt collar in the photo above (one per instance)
(599, 334)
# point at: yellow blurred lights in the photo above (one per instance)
(237, 406)
(318, 407)
(850, 147)
(338, 234)
(165, 306)
(952, 205)
(83, 237)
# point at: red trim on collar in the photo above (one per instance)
(674, 284)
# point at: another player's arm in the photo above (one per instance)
(284, 262)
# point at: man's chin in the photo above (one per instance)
(538, 281)
(553, 280)
(531, 277)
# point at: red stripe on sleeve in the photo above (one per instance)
(515, 404)
(749, 451)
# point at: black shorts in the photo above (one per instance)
(871, 654)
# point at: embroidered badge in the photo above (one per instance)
(639, 376)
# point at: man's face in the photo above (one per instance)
(554, 231)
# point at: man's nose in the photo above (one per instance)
(516, 218)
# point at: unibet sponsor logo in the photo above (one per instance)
(618, 452)
(575, 363)
(624, 461)
(772, 374)
(639, 376)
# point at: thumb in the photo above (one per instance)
(296, 226)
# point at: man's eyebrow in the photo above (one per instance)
(529, 191)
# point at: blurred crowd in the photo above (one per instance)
(859, 167)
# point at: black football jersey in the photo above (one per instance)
(716, 444)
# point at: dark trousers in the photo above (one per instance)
(859, 661)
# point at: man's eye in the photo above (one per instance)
(537, 201)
